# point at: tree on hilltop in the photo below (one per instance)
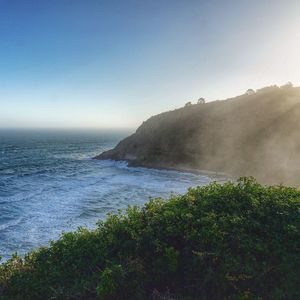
(201, 101)
(250, 92)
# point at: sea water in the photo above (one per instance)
(50, 184)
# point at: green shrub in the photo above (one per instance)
(233, 241)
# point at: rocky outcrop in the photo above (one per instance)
(255, 134)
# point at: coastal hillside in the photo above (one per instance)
(255, 134)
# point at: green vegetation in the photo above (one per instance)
(233, 241)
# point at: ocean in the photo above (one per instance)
(50, 184)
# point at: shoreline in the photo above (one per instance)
(181, 169)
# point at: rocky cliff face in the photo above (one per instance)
(253, 134)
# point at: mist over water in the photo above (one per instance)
(50, 184)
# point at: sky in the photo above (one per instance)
(112, 64)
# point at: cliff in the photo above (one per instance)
(255, 134)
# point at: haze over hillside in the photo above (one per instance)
(255, 134)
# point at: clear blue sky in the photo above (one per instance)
(115, 63)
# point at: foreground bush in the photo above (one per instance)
(231, 241)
